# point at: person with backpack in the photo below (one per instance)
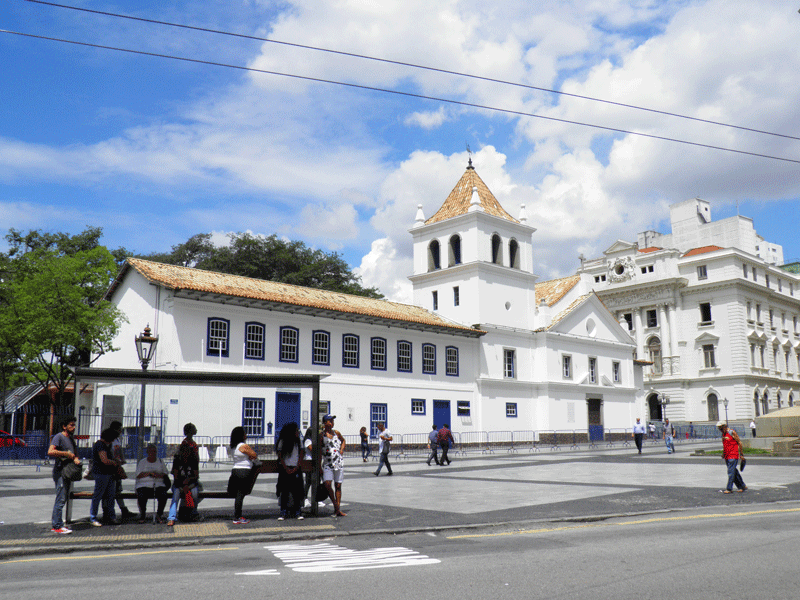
(64, 450)
(384, 445)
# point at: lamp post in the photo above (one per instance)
(663, 400)
(725, 404)
(145, 349)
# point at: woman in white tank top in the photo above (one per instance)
(242, 476)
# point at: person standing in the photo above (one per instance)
(185, 475)
(242, 475)
(445, 438)
(118, 455)
(365, 449)
(150, 473)
(63, 449)
(652, 427)
(290, 477)
(753, 427)
(433, 444)
(638, 434)
(384, 445)
(731, 451)
(104, 469)
(333, 463)
(669, 432)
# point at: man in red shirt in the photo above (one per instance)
(731, 450)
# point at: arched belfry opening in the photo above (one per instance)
(434, 261)
(454, 251)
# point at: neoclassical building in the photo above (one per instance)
(484, 347)
(712, 307)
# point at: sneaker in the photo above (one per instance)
(281, 518)
(301, 517)
(321, 504)
(241, 521)
(96, 523)
(62, 530)
(307, 503)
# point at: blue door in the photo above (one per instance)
(287, 409)
(595, 419)
(441, 413)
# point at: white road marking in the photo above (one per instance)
(321, 558)
(264, 572)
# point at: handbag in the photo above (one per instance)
(120, 474)
(71, 472)
(742, 463)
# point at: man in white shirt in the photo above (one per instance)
(384, 445)
(638, 434)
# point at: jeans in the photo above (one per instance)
(434, 455)
(62, 492)
(733, 474)
(384, 460)
(365, 451)
(177, 493)
(445, 447)
(105, 488)
(670, 444)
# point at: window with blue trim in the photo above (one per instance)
(429, 359)
(451, 361)
(417, 406)
(321, 353)
(463, 408)
(253, 417)
(218, 336)
(290, 339)
(404, 356)
(254, 341)
(350, 350)
(378, 413)
(378, 356)
(511, 410)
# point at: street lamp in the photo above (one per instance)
(145, 349)
(664, 400)
(725, 404)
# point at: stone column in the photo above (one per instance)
(666, 343)
(637, 323)
(673, 338)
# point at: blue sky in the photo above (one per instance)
(155, 150)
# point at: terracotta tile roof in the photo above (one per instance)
(186, 278)
(458, 202)
(552, 291)
(650, 249)
(575, 304)
(703, 250)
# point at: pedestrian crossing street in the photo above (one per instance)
(327, 558)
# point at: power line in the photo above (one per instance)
(400, 93)
(414, 66)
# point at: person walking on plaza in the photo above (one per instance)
(445, 438)
(669, 432)
(638, 434)
(104, 469)
(185, 475)
(118, 455)
(63, 449)
(333, 463)
(753, 427)
(433, 444)
(652, 427)
(365, 449)
(290, 477)
(243, 476)
(150, 473)
(384, 445)
(731, 451)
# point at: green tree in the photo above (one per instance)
(52, 312)
(269, 258)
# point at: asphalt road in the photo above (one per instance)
(745, 551)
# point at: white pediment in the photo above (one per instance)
(620, 246)
(706, 337)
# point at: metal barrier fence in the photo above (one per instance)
(32, 448)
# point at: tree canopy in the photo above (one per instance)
(52, 312)
(268, 258)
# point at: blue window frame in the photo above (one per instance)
(321, 351)
(417, 406)
(451, 361)
(254, 341)
(463, 408)
(378, 355)
(253, 417)
(218, 336)
(404, 356)
(511, 410)
(350, 351)
(290, 341)
(378, 413)
(429, 359)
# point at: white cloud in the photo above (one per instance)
(427, 119)
(383, 268)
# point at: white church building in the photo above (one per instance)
(483, 348)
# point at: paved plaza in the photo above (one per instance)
(498, 489)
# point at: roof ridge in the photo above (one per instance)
(458, 201)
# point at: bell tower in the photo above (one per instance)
(473, 262)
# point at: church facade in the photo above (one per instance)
(484, 347)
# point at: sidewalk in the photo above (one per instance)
(478, 490)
